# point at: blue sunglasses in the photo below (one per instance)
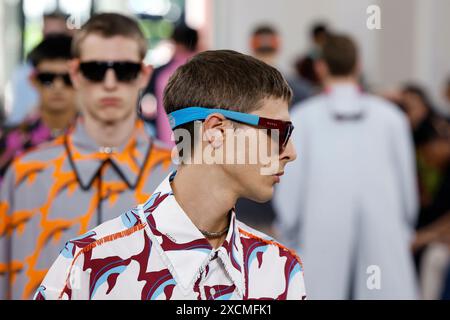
(187, 115)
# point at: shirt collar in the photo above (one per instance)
(184, 249)
(87, 158)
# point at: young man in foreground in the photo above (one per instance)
(184, 242)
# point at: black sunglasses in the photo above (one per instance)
(95, 71)
(48, 78)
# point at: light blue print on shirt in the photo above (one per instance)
(294, 271)
(129, 219)
(254, 252)
(67, 251)
(104, 277)
(161, 288)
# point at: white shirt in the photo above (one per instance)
(155, 252)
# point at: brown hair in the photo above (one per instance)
(340, 55)
(224, 79)
(110, 25)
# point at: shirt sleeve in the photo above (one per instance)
(296, 288)
(66, 279)
(406, 168)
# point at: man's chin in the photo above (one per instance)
(111, 118)
(262, 195)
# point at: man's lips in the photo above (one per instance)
(109, 102)
(277, 176)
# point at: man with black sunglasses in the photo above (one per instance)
(104, 165)
(184, 241)
(56, 109)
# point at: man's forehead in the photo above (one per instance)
(58, 64)
(116, 48)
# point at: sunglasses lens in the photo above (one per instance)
(127, 71)
(45, 78)
(94, 71)
(284, 138)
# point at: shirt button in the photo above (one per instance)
(107, 150)
(212, 291)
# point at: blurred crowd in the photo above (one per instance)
(45, 108)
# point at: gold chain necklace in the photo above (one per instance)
(214, 235)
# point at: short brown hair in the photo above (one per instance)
(110, 25)
(340, 55)
(224, 79)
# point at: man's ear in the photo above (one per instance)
(146, 73)
(74, 72)
(358, 68)
(214, 128)
(32, 79)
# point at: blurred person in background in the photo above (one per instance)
(420, 111)
(432, 241)
(447, 99)
(432, 140)
(25, 98)
(185, 40)
(318, 34)
(429, 131)
(56, 109)
(93, 173)
(265, 44)
(349, 203)
(306, 82)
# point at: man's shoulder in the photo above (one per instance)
(161, 146)
(254, 238)
(35, 160)
(384, 108)
(110, 233)
(46, 151)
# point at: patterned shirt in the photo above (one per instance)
(154, 251)
(14, 141)
(63, 189)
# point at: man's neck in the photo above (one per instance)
(110, 134)
(347, 80)
(58, 120)
(203, 195)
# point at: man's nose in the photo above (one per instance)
(58, 83)
(110, 81)
(290, 154)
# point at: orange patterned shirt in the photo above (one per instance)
(64, 188)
